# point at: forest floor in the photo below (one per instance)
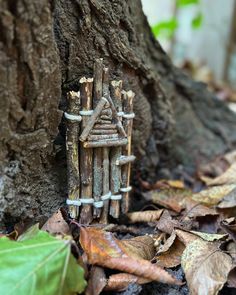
(179, 238)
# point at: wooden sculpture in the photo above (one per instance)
(98, 141)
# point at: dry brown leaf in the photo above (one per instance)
(162, 183)
(213, 195)
(228, 177)
(97, 281)
(231, 282)
(229, 226)
(205, 266)
(194, 209)
(209, 237)
(231, 249)
(169, 255)
(140, 247)
(144, 216)
(166, 224)
(216, 167)
(173, 199)
(119, 282)
(103, 249)
(56, 224)
(229, 201)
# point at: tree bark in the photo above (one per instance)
(45, 48)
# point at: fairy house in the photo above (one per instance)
(99, 125)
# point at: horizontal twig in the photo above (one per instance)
(125, 160)
(105, 143)
(103, 137)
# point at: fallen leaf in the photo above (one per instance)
(140, 247)
(162, 183)
(228, 177)
(213, 195)
(231, 250)
(205, 266)
(169, 255)
(229, 226)
(173, 199)
(144, 216)
(228, 201)
(39, 263)
(231, 281)
(209, 237)
(168, 243)
(194, 209)
(119, 282)
(56, 224)
(97, 281)
(213, 169)
(103, 249)
(166, 223)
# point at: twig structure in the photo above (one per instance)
(98, 140)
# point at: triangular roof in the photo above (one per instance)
(96, 119)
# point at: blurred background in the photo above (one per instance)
(200, 37)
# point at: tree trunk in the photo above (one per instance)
(46, 47)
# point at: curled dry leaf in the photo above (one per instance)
(229, 201)
(140, 247)
(205, 266)
(144, 216)
(231, 250)
(163, 183)
(56, 224)
(97, 281)
(214, 168)
(169, 255)
(194, 209)
(229, 226)
(119, 282)
(213, 195)
(103, 249)
(231, 281)
(173, 199)
(166, 224)
(209, 237)
(228, 177)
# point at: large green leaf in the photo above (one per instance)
(39, 264)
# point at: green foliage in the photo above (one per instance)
(197, 21)
(39, 264)
(186, 2)
(165, 28)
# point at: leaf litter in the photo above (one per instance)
(189, 231)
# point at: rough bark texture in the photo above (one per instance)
(47, 46)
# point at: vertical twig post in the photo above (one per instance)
(72, 134)
(127, 98)
(106, 172)
(98, 154)
(115, 170)
(86, 165)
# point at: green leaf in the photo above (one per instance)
(197, 21)
(39, 264)
(186, 2)
(165, 28)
